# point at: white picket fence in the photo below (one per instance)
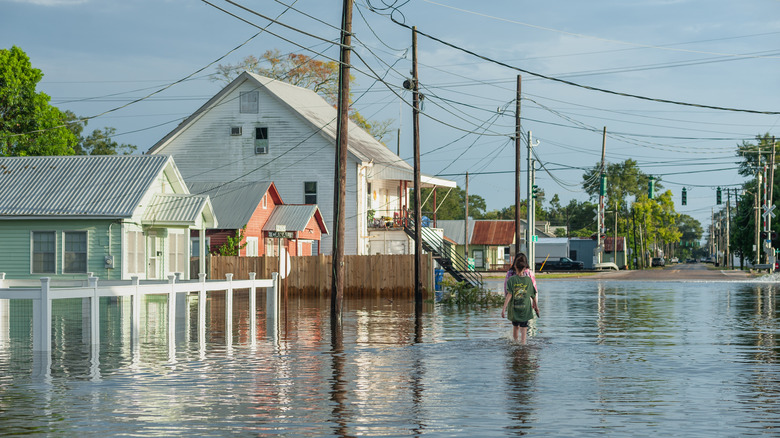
(42, 292)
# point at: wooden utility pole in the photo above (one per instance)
(770, 202)
(758, 209)
(466, 224)
(340, 180)
(518, 165)
(418, 287)
(600, 215)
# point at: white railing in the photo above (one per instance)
(42, 292)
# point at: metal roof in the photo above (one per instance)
(484, 231)
(493, 232)
(177, 209)
(76, 186)
(294, 217)
(322, 116)
(235, 202)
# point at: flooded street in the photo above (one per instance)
(616, 358)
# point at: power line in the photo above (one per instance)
(586, 87)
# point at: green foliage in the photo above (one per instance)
(579, 218)
(749, 154)
(29, 125)
(100, 143)
(451, 207)
(463, 293)
(233, 244)
(623, 180)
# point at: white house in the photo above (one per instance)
(260, 129)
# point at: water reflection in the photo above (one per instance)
(607, 358)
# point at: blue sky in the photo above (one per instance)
(101, 55)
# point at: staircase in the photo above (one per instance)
(445, 254)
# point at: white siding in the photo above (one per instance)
(205, 151)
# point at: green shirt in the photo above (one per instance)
(523, 290)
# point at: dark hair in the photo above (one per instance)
(521, 263)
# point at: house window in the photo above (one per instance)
(75, 257)
(265, 201)
(261, 140)
(44, 244)
(235, 131)
(177, 251)
(269, 247)
(250, 102)
(136, 252)
(195, 245)
(310, 192)
(251, 246)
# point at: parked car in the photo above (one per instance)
(560, 264)
(658, 261)
(690, 261)
(674, 260)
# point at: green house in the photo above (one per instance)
(116, 217)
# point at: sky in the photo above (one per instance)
(678, 84)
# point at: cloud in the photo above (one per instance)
(51, 2)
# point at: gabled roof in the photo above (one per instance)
(295, 218)
(77, 186)
(322, 117)
(178, 209)
(235, 202)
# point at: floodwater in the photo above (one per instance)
(605, 358)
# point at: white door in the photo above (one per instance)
(154, 249)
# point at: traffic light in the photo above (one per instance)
(534, 191)
(603, 185)
(684, 196)
(718, 196)
(651, 188)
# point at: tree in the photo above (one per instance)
(322, 77)
(100, 143)
(233, 244)
(452, 206)
(579, 218)
(749, 153)
(29, 125)
(623, 179)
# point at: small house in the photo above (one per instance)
(113, 216)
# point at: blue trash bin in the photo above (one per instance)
(438, 277)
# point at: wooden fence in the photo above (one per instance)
(370, 275)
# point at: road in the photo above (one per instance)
(682, 271)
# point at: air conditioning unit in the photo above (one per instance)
(261, 146)
(235, 130)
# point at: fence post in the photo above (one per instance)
(229, 310)
(202, 310)
(171, 310)
(272, 308)
(94, 312)
(2, 280)
(252, 308)
(136, 308)
(42, 318)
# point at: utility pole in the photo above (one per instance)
(770, 203)
(518, 165)
(757, 209)
(728, 262)
(418, 287)
(530, 226)
(342, 142)
(466, 224)
(602, 189)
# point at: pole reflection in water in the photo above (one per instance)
(417, 372)
(338, 393)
